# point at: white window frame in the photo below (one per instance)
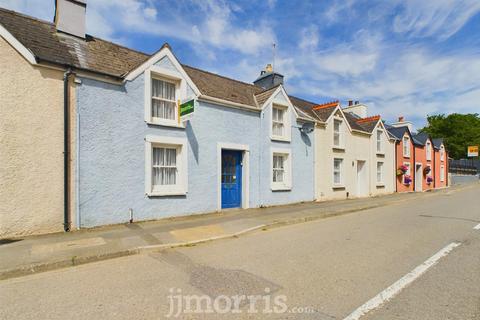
(379, 135)
(382, 168)
(406, 146)
(340, 171)
(442, 173)
(286, 123)
(442, 153)
(180, 93)
(287, 179)
(181, 187)
(408, 173)
(341, 133)
(428, 150)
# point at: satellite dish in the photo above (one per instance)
(307, 127)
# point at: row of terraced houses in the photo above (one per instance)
(93, 133)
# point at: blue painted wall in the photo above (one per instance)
(111, 177)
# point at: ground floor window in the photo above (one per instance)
(379, 172)
(337, 171)
(442, 173)
(165, 166)
(281, 169)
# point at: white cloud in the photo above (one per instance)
(439, 18)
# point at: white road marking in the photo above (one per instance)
(477, 227)
(398, 286)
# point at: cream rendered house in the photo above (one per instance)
(354, 155)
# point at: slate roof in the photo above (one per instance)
(421, 137)
(397, 132)
(437, 143)
(353, 122)
(48, 45)
(369, 123)
(107, 58)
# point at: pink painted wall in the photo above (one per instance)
(421, 157)
(400, 159)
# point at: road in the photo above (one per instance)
(325, 269)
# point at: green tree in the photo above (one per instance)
(457, 130)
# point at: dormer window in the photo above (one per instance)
(278, 121)
(163, 90)
(337, 133)
(379, 141)
(429, 151)
(406, 147)
(280, 127)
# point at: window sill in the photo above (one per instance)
(283, 139)
(408, 157)
(338, 186)
(338, 148)
(166, 193)
(380, 185)
(172, 124)
(381, 153)
(281, 188)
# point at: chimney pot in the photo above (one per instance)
(269, 68)
(350, 103)
(401, 119)
(357, 102)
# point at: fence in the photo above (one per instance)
(464, 166)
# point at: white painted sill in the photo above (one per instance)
(338, 186)
(166, 193)
(172, 124)
(380, 153)
(380, 185)
(283, 139)
(338, 148)
(281, 188)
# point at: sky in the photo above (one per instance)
(409, 58)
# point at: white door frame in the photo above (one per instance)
(418, 177)
(245, 171)
(362, 186)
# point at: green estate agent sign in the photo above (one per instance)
(187, 108)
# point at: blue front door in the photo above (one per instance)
(231, 179)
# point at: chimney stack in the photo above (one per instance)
(70, 17)
(401, 119)
(402, 123)
(350, 103)
(268, 78)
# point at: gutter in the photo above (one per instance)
(66, 151)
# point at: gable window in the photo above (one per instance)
(406, 147)
(429, 151)
(379, 141)
(379, 172)
(281, 169)
(442, 173)
(278, 121)
(338, 133)
(164, 105)
(163, 89)
(337, 171)
(442, 153)
(165, 166)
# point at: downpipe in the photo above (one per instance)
(66, 151)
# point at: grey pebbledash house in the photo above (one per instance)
(243, 146)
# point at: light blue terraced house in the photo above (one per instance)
(243, 146)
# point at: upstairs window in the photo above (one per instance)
(406, 147)
(338, 133)
(429, 151)
(442, 153)
(278, 121)
(164, 105)
(442, 173)
(379, 141)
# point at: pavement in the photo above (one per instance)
(323, 269)
(53, 251)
